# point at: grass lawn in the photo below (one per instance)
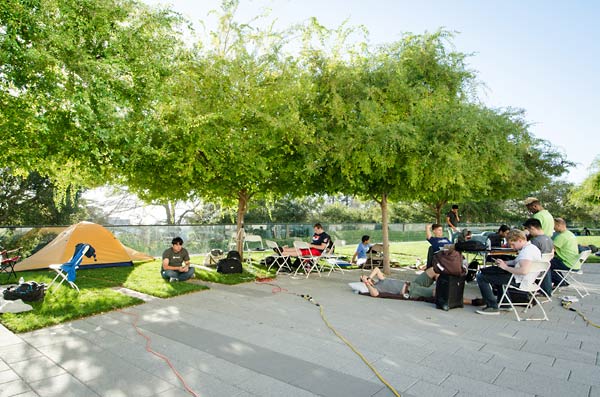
(97, 295)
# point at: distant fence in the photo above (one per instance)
(154, 239)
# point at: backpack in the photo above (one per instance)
(231, 264)
(448, 262)
(27, 292)
(470, 246)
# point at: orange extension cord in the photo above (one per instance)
(149, 349)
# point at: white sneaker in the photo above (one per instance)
(173, 279)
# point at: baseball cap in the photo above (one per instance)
(530, 200)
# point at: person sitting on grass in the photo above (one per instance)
(176, 262)
(360, 255)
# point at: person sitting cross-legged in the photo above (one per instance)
(494, 277)
(176, 262)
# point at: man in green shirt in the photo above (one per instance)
(566, 254)
(544, 216)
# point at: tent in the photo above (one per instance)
(109, 250)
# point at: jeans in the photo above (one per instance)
(181, 276)
(553, 277)
(488, 277)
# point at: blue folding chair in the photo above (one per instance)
(68, 270)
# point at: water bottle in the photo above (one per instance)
(21, 280)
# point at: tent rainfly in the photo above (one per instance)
(109, 250)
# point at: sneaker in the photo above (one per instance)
(173, 279)
(488, 311)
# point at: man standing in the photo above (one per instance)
(176, 262)
(566, 253)
(452, 219)
(544, 216)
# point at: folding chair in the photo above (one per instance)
(374, 256)
(308, 262)
(567, 276)
(8, 262)
(67, 271)
(530, 285)
(330, 260)
(282, 261)
(252, 243)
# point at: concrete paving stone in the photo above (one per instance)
(473, 355)
(400, 381)
(579, 372)
(8, 375)
(13, 388)
(479, 388)
(468, 368)
(64, 385)
(3, 365)
(37, 368)
(426, 389)
(595, 391)
(540, 384)
(517, 356)
(553, 372)
(558, 351)
(7, 338)
(400, 367)
(325, 382)
(132, 381)
(262, 385)
(28, 394)
(174, 392)
(18, 352)
(203, 383)
(571, 343)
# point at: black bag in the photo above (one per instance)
(449, 291)
(229, 265)
(234, 255)
(28, 292)
(470, 246)
(448, 262)
(276, 261)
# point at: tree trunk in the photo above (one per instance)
(385, 234)
(243, 199)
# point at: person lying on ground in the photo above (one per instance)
(422, 288)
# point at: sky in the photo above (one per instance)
(540, 56)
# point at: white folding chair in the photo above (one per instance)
(330, 260)
(282, 261)
(252, 243)
(530, 285)
(308, 262)
(567, 276)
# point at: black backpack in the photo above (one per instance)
(470, 246)
(28, 292)
(231, 264)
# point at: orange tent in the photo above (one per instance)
(109, 250)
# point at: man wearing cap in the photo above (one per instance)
(544, 216)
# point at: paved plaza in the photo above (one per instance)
(251, 340)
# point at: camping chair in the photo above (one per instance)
(531, 288)
(567, 276)
(374, 256)
(282, 261)
(67, 271)
(252, 243)
(330, 260)
(308, 262)
(8, 262)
